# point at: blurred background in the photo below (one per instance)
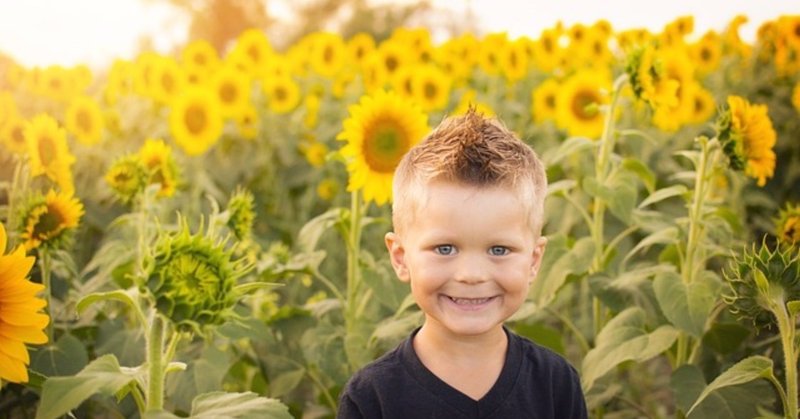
(93, 32)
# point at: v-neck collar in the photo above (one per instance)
(471, 408)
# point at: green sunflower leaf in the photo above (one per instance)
(623, 339)
(102, 376)
(744, 371)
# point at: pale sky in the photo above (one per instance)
(68, 32)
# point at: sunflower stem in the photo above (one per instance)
(44, 265)
(353, 277)
(696, 211)
(601, 174)
(787, 331)
(141, 233)
(155, 365)
(693, 260)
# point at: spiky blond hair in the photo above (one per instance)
(473, 150)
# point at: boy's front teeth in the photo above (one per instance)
(473, 301)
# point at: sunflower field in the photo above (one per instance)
(201, 234)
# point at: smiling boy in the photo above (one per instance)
(467, 215)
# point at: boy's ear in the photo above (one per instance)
(538, 252)
(397, 254)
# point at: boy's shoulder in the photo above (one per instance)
(540, 355)
(378, 371)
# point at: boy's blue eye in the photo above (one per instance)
(445, 249)
(498, 250)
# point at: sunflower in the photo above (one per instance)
(680, 27)
(85, 120)
(704, 105)
(543, 101)
(732, 42)
(648, 79)
(47, 220)
(252, 50)
(787, 225)
(676, 66)
(248, 123)
(48, 151)
(594, 50)
(789, 27)
(327, 189)
(403, 80)
(578, 101)
(547, 50)
(373, 73)
(748, 138)
(418, 42)
(379, 130)
(430, 87)
(233, 90)
(315, 153)
(168, 80)
(707, 52)
(392, 55)
(13, 135)
(127, 177)
(119, 81)
(514, 60)
(449, 63)
(278, 66)
(21, 322)
(156, 156)
(81, 76)
(55, 82)
(328, 54)
(144, 73)
(457, 57)
(492, 47)
(283, 94)
(200, 54)
(359, 47)
(633, 38)
(195, 120)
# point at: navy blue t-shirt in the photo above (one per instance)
(534, 383)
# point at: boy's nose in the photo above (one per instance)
(472, 269)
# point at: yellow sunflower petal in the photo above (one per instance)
(22, 333)
(23, 317)
(12, 370)
(14, 349)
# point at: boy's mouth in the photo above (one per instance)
(469, 301)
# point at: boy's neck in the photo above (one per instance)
(470, 364)
(433, 337)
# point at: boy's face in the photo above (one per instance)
(469, 255)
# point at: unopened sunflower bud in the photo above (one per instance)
(761, 279)
(127, 177)
(241, 213)
(192, 277)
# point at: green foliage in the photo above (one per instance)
(102, 376)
